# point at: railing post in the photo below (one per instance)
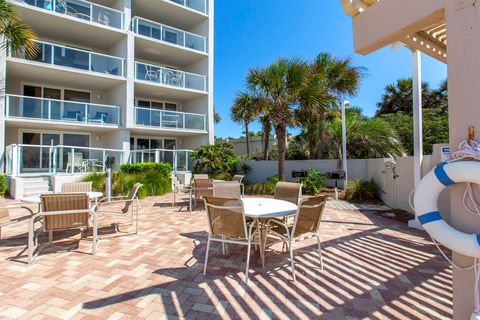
(86, 113)
(204, 123)
(55, 153)
(49, 111)
(161, 119)
(7, 107)
(184, 124)
(15, 159)
(104, 160)
(91, 12)
(89, 61)
(72, 161)
(157, 155)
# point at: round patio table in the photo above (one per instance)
(262, 209)
(94, 195)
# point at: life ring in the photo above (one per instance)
(426, 209)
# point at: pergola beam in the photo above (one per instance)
(388, 21)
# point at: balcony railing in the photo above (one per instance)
(179, 159)
(75, 58)
(197, 5)
(168, 34)
(28, 159)
(49, 110)
(170, 77)
(82, 10)
(165, 119)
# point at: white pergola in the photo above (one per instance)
(423, 26)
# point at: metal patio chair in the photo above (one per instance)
(72, 187)
(227, 189)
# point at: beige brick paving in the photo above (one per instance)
(374, 269)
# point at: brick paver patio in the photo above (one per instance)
(374, 268)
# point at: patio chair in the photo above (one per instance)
(6, 219)
(202, 188)
(200, 176)
(239, 179)
(98, 117)
(130, 206)
(75, 162)
(227, 189)
(227, 224)
(150, 74)
(72, 187)
(63, 211)
(288, 191)
(177, 188)
(306, 224)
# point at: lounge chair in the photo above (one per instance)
(306, 224)
(62, 211)
(227, 224)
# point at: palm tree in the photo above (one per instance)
(337, 78)
(244, 111)
(399, 97)
(280, 84)
(216, 117)
(366, 137)
(13, 32)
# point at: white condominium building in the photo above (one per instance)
(114, 81)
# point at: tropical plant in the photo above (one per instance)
(244, 111)
(263, 188)
(14, 33)
(217, 160)
(359, 190)
(314, 182)
(3, 185)
(435, 128)
(332, 79)
(280, 84)
(216, 117)
(399, 97)
(366, 137)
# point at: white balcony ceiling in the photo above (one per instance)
(37, 72)
(158, 91)
(173, 55)
(57, 125)
(168, 12)
(65, 28)
(431, 40)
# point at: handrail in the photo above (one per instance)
(136, 18)
(58, 100)
(171, 111)
(65, 147)
(153, 150)
(184, 4)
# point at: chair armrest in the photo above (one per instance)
(55, 213)
(19, 206)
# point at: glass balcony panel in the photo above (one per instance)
(107, 17)
(194, 81)
(169, 119)
(168, 34)
(198, 5)
(57, 110)
(194, 121)
(172, 78)
(77, 9)
(106, 64)
(72, 58)
(44, 53)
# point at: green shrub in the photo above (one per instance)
(164, 168)
(3, 185)
(263, 188)
(358, 190)
(216, 160)
(314, 182)
(155, 178)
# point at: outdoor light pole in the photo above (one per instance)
(345, 104)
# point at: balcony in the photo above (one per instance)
(32, 109)
(168, 82)
(173, 46)
(179, 13)
(179, 159)
(64, 56)
(170, 120)
(100, 26)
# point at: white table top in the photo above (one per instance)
(267, 207)
(36, 199)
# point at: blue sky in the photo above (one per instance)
(252, 33)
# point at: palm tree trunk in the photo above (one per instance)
(321, 145)
(280, 131)
(247, 139)
(266, 137)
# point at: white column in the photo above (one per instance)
(344, 145)
(417, 116)
(3, 82)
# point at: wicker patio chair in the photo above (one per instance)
(227, 224)
(227, 189)
(63, 211)
(72, 187)
(306, 224)
(200, 176)
(202, 188)
(130, 202)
